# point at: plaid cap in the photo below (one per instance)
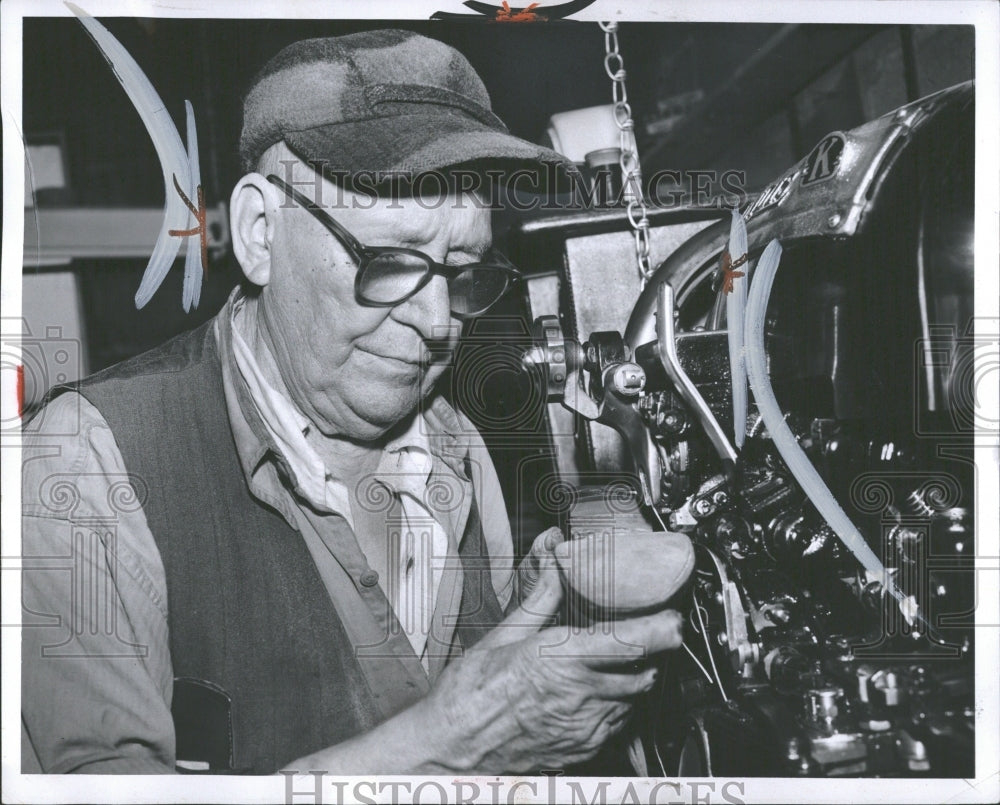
(384, 100)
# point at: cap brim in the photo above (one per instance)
(417, 144)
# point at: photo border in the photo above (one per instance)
(86, 788)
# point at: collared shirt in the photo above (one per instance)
(417, 545)
(96, 670)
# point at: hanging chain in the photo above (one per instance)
(629, 160)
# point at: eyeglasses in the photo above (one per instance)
(388, 275)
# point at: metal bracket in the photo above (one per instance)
(682, 383)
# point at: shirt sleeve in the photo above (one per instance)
(96, 676)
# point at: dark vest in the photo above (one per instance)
(264, 670)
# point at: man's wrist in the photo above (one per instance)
(419, 740)
(442, 747)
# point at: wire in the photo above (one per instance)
(653, 738)
(691, 654)
(655, 512)
(659, 758)
(708, 648)
(685, 645)
(656, 721)
(697, 662)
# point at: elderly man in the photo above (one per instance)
(294, 551)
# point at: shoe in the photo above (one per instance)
(626, 573)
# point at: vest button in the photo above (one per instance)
(369, 578)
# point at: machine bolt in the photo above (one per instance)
(720, 498)
(702, 507)
(914, 751)
(628, 379)
(723, 638)
(823, 703)
(834, 220)
(864, 673)
(671, 421)
(888, 683)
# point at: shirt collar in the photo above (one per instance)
(267, 424)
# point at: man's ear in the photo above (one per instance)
(252, 214)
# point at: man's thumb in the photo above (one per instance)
(536, 612)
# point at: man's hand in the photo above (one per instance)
(528, 697)
(541, 555)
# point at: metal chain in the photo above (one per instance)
(629, 160)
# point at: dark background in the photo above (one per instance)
(770, 90)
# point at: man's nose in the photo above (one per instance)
(428, 311)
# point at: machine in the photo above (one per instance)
(803, 657)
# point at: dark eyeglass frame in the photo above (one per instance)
(363, 255)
